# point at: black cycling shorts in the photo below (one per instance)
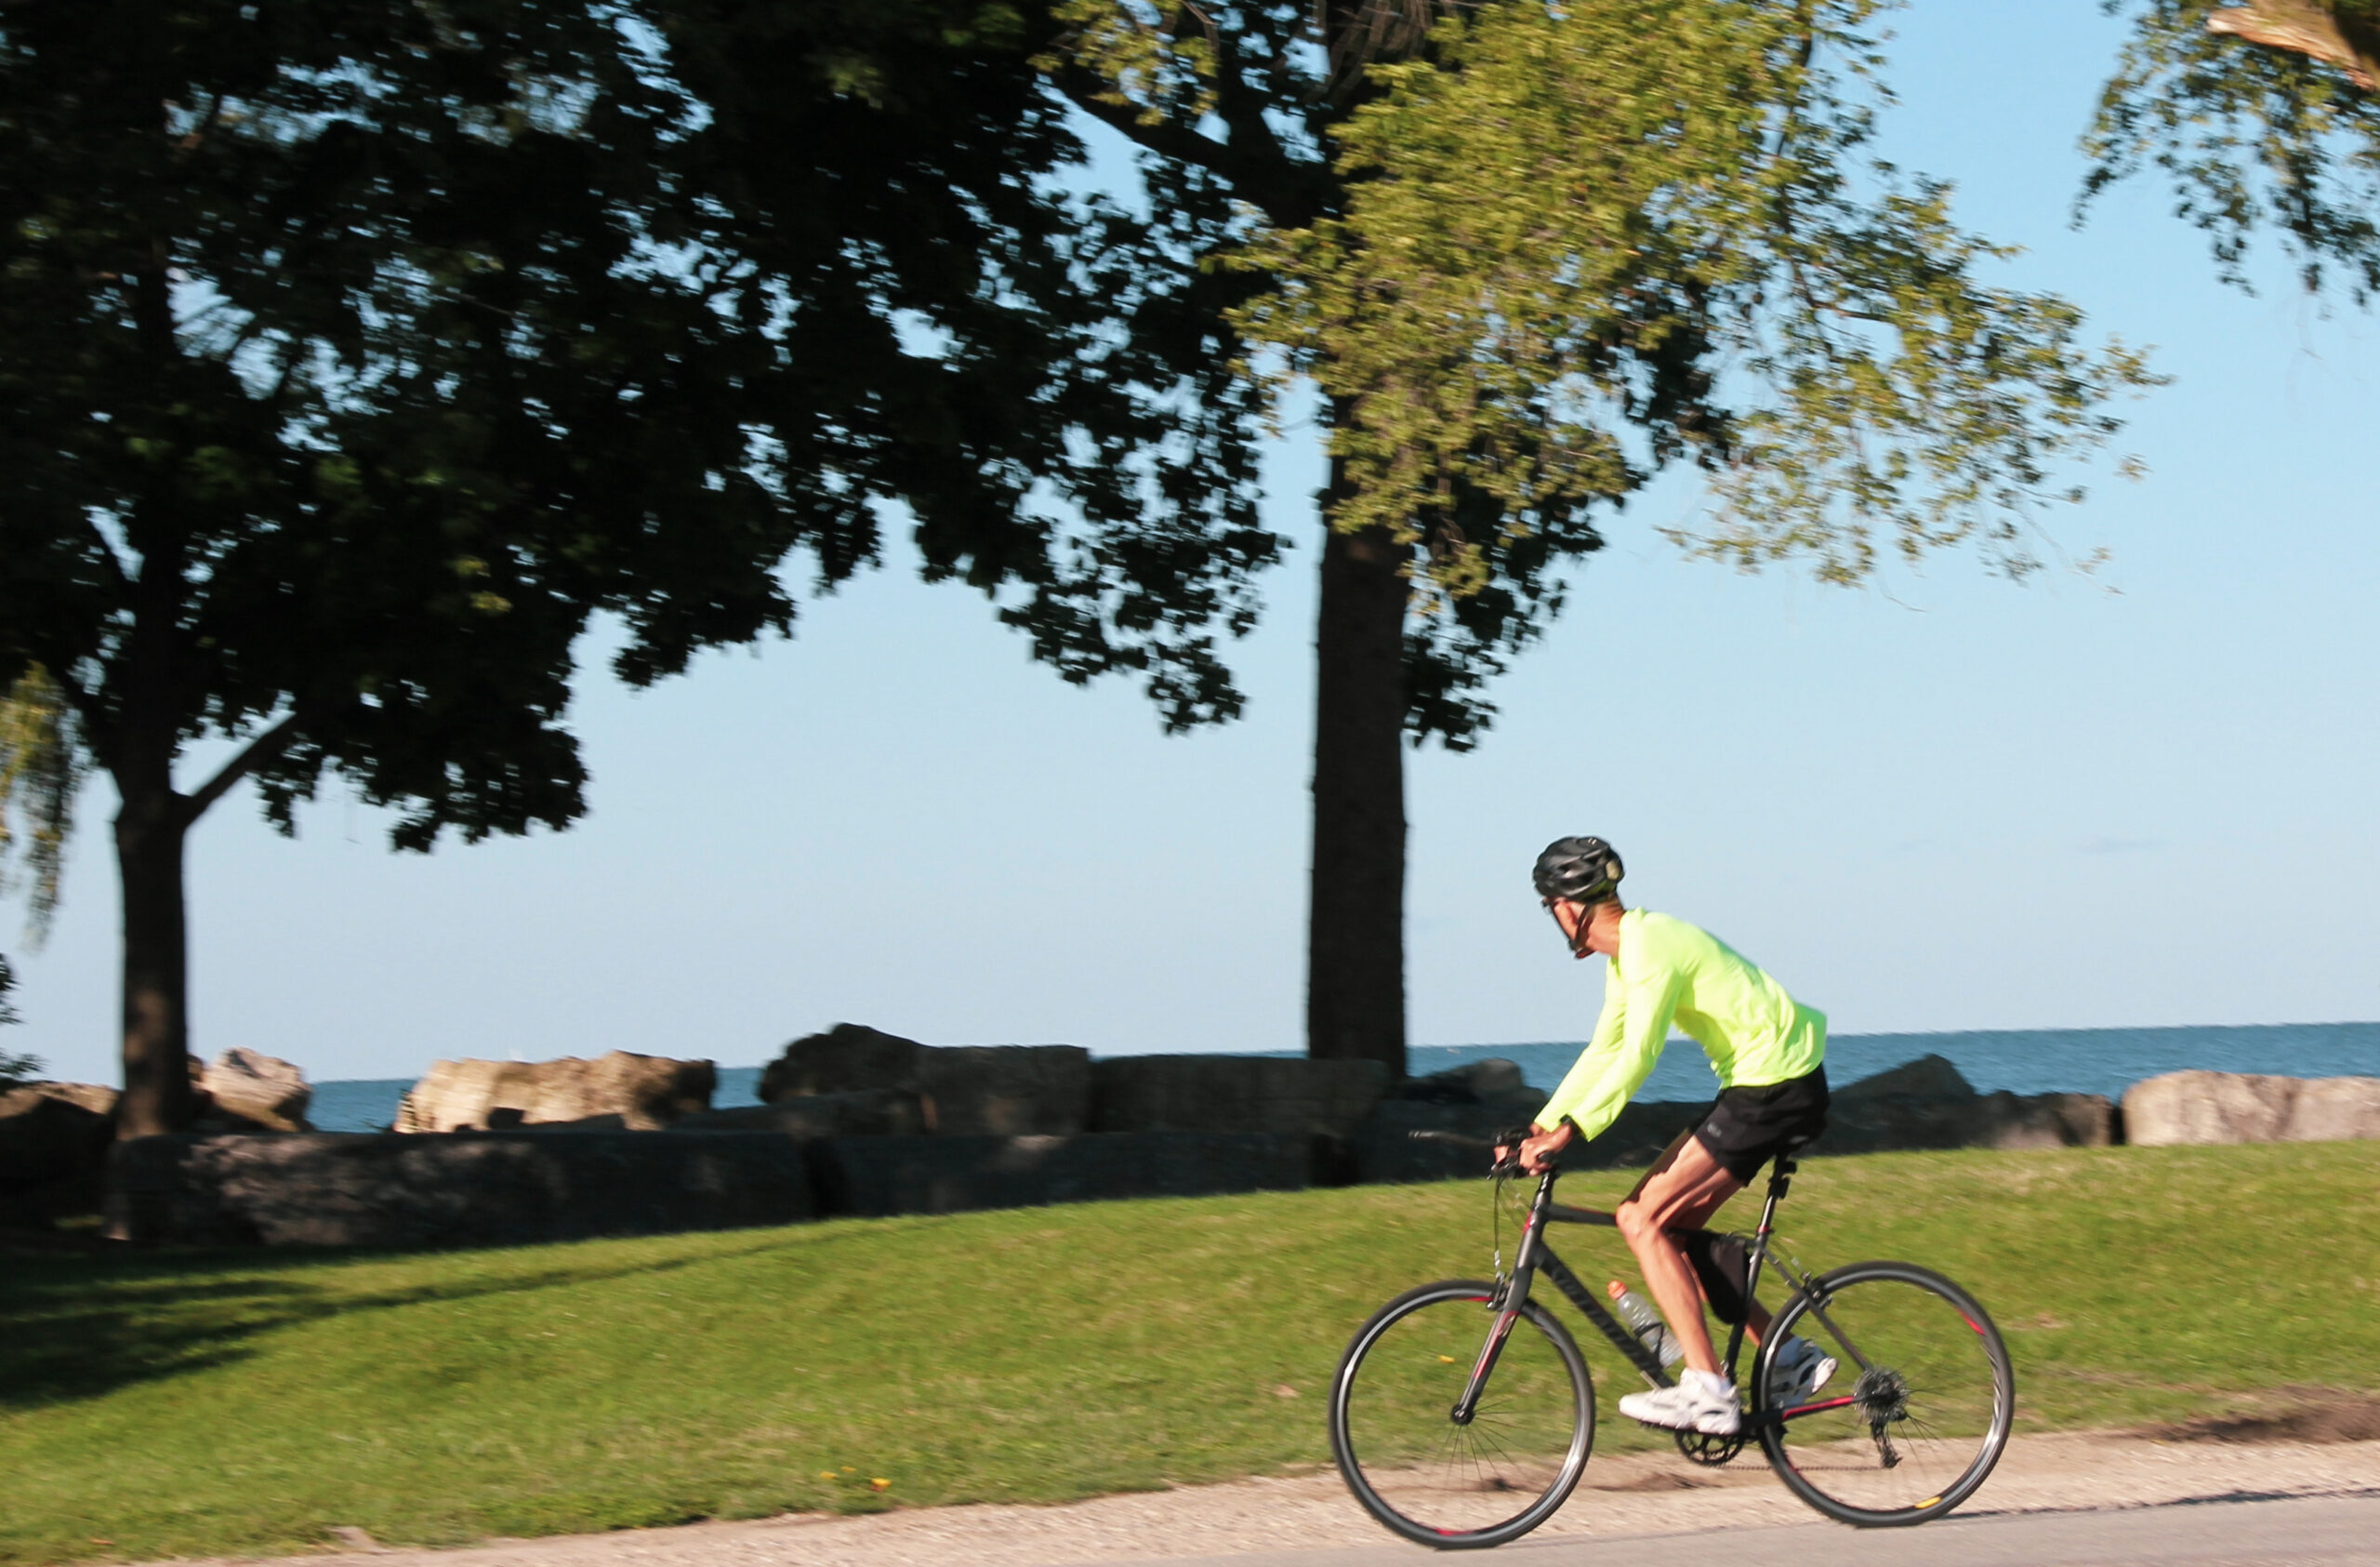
(1749, 1126)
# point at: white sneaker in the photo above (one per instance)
(1692, 1405)
(1801, 1370)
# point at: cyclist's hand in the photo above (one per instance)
(1537, 1151)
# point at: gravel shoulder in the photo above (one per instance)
(1632, 1495)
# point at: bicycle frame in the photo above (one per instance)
(1534, 1256)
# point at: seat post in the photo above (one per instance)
(1780, 1180)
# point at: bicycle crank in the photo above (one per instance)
(1702, 1448)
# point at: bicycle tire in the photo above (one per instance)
(1417, 1472)
(1918, 1425)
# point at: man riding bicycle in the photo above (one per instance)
(1767, 1050)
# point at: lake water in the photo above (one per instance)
(2022, 1060)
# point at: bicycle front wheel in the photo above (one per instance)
(1917, 1411)
(1451, 1482)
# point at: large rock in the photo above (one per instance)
(1470, 1084)
(876, 1176)
(862, 1114)
(646, 1091)
(492, 1188)
(249, 1088)
(53, 1139)
(1493, 1087)
(2198, 1107)
(2336, 1110)
(1928, 1077)
(1641, 1133)
(1921, 1104)
(1927, 1103)
(849, 1057)
(1234, 1094)
(1387, 1151)
(2002, 1119)
(1383, 1148)
(987, 1090)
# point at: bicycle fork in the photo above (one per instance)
(1530, 1258)
(1507, 1305)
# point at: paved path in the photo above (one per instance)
(2054, 1501)
(2243, 1532)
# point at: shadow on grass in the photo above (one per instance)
(80, 1326)
(2306, 1415)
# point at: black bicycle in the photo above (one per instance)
(1461, 1415)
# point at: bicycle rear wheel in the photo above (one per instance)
(1419, 1471)
(1918, 1406)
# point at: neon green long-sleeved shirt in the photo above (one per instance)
(1667, 971)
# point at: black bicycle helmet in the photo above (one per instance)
(1581, 870)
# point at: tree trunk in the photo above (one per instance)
(149, 833)
(1355, 935)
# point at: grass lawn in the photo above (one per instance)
(158, 1404)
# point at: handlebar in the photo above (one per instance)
(1459, 1139)
(1508, 1165)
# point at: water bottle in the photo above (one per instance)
(1646, 1322)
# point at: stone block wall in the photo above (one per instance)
(878, 1112)
(53, 1141)
(329, 1189)
(1005, 1090)
(1234, 1094)
(940, 1137)
(879, 1176)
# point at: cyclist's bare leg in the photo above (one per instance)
(1756, 1316)
(1681, 1190)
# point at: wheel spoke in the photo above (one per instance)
(1926, 1413)
(1418, 1472)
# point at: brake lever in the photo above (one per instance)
(1510, 1141)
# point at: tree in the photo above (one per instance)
(14, 1067)
(1528, 255)
(41, 773)
(353, 353)
(2263, 114)
(39, 778)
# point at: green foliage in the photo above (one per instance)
(1556, 237)
(353, 354)
(12, 1068)
(15, 1067)
(234, 1404)
(1564, 246)
(1062, 446)
(2252, 138)
(41, 773)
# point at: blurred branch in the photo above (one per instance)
(256, 754)
(2343, 36)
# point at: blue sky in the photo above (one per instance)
(1942, 802)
